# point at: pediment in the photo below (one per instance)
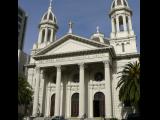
(70, 43)
(70, 46)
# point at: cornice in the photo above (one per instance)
(127, 56)
(120, 8)
(101, 50)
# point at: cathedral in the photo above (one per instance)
(75, 76)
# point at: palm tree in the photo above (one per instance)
(24, 92)
(129, 84)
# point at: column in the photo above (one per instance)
(68, 99)
(124, 23)
(117, 23)
(47, 99)
(41, 92)
(51, 38)
(108, 97)
(81, 91)
(113, 25)
(58, 93)
(129, 23)
(46, 34)
(40, 36)
(36, 92)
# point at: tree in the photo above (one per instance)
(129, 84)
(24, 92)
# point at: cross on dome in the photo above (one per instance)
(70, 26)
(50, 4)
(97, 29)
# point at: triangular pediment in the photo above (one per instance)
(70, 43)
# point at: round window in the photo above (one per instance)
(76, 78)
(99, 76)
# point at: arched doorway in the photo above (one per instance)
(75, 105)
(52, 105)
(99, 105)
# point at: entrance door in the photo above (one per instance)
(99, 105)
(75, 105)
(52, 105)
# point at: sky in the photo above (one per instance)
(85, 15)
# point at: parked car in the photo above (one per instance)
(57, 118)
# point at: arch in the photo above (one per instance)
(123, 48)
(49, 35)
(113, 5)
(99, 76)
(50, 16)
(121, 27)
(45, 17)
(43, 34)
(125, 4)
(75, 105)
(52, 105)
(119, 2)
(99, 104)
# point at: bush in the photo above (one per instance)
(113, 119)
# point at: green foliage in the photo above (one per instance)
(129, 83)
(24, 91)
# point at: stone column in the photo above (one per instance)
(46, 35)
(81, 91)
(117, 23)
(124, 23)
(58, 93)
(113, 25)
(40, 36)
(129, 23)
(36, 92)
(108, 97)
(51, 38)
(42, 92)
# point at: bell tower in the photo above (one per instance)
(122, 36)
(47, 29)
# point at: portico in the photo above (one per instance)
(63, 87)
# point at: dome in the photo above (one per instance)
(49, 17)
(119, 3)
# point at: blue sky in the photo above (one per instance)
(85, 14)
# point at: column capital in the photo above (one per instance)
(58, 67)
(107, 63)
(81, 64)
(37, 69)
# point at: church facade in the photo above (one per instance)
(76, 76)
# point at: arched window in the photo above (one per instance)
(75, 78)
(49, 35)
(121, 27)
(99, 105)
(113, 4)
(127, 23)
(75, 105)
(43, 34)
(50, 17)
(45, 17)
(115, 25)
(52, 105)
(98, 76)
(119, 2)
(124, 2)
(123, 49)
